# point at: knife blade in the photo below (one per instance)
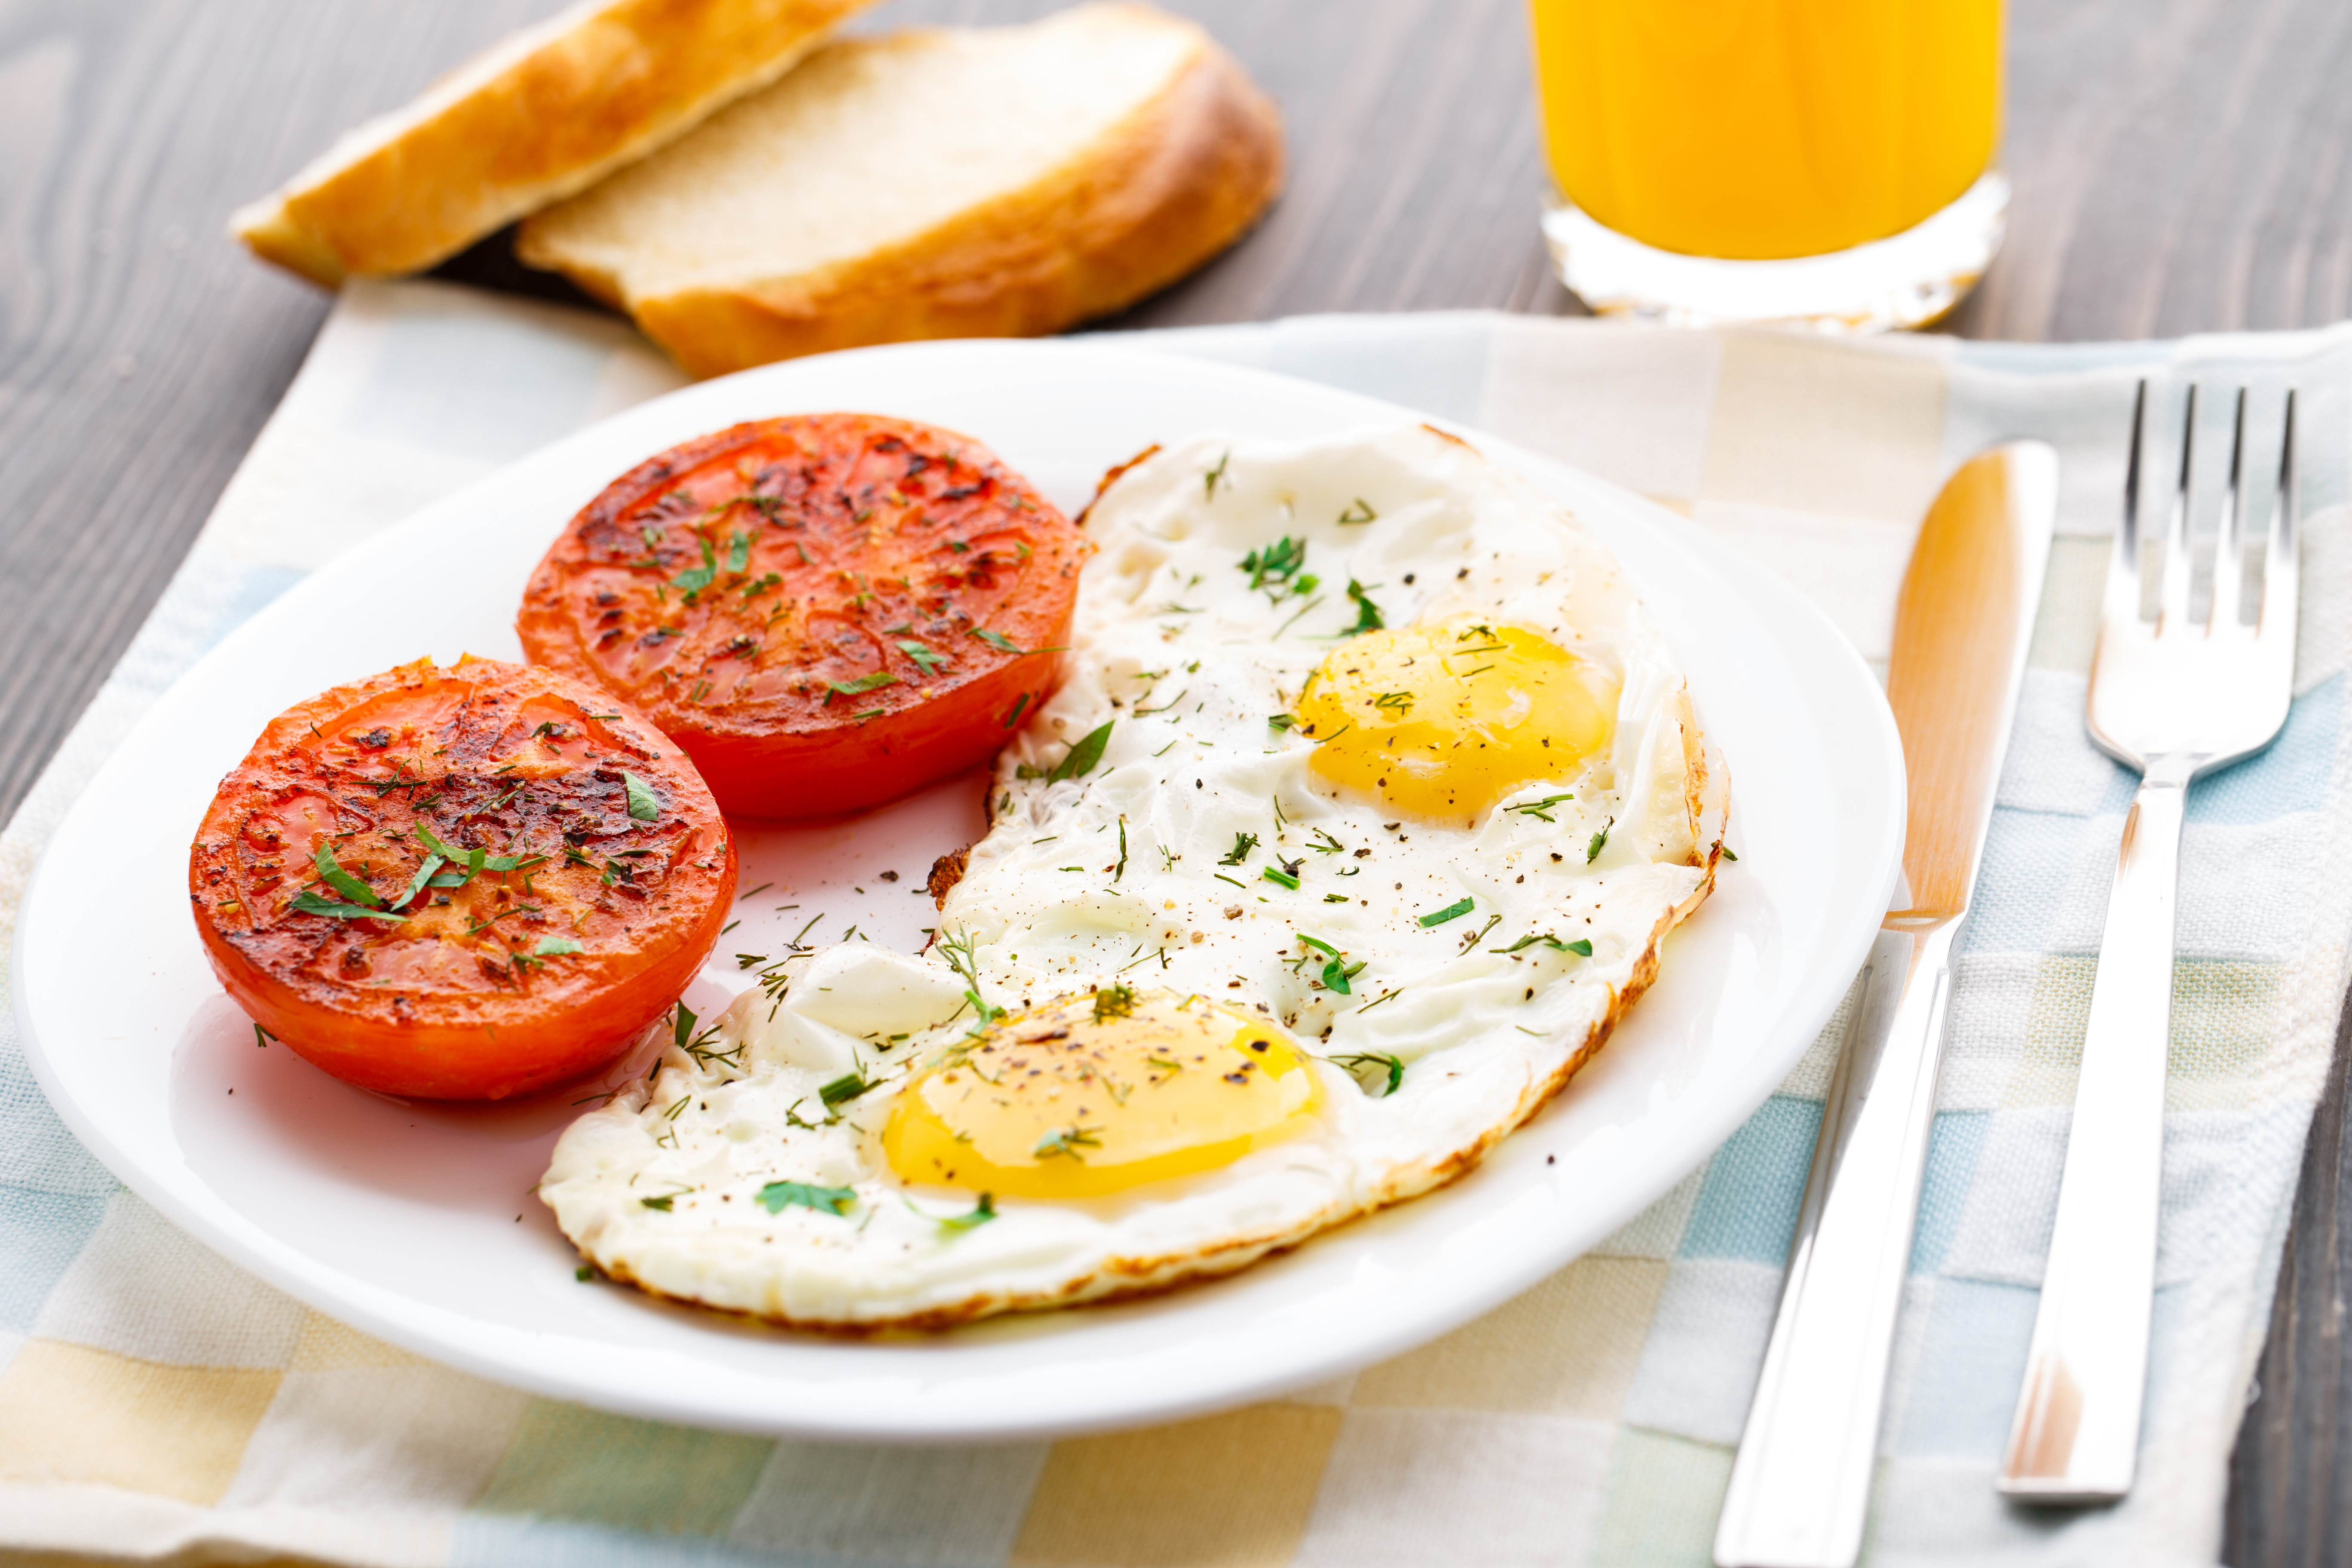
(1799, 1486)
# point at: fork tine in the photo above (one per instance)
(2122, 604)
(2172, 603)
(2229, 539)
(2282, 567)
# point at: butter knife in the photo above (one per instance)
(1801, 1485)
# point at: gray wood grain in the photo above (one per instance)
(2180, 166)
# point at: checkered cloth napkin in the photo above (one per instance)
(156, 1402)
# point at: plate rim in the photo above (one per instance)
(451, 1339)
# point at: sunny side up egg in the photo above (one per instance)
(1367, 802)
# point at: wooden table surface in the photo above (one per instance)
(2181, 166)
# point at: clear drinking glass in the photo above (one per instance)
(1826, 164)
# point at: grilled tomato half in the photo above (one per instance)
(460, 883)
(826, 610)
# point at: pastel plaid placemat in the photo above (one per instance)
(154, 1402)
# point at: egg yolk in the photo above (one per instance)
(1094, 1094)
(1439, 722)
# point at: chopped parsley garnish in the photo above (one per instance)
(310, 903)
(1379, 1065)
(331, 872)
(1242, 844)
(996, 640)
(1592, 851)
(1542, 809)
(845, 1088)
(1360, 510)
(777, 1197)
(1397, 703)
(1337, 969)
(1281, 720)
(1368, 614)
(1068, 1142)
(549, 947)
(1727, 852)
(926, 660)
(661, 1203)
(1083, 756)
(1450, 913)
(644, 805)
(695, 579)
(682, 1026)
(739, 553)
(417, 884)
(1581, 947)
(475, 861)
(1114, 1002)
(984, 1211)
(1284, 879)
(859, 687)
(1015, 717)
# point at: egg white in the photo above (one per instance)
(1127, 873)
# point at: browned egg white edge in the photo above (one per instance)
(1127, 1279)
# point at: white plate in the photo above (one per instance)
(414, 1223)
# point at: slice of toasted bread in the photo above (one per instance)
(542, 114)
(985, 183)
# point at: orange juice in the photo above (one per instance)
(1759, 129)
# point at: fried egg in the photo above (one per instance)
(1367, 802)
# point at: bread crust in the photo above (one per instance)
(1175, 181)
(540, 117)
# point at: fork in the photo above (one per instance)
(2174, 699)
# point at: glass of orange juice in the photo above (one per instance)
(1819, 163)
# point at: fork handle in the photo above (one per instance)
(1800, 1482)
(2075, 1435)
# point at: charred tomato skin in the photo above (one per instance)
(826, 610)
(471, 992)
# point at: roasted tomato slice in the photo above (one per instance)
(825, 611)
(462, 883)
